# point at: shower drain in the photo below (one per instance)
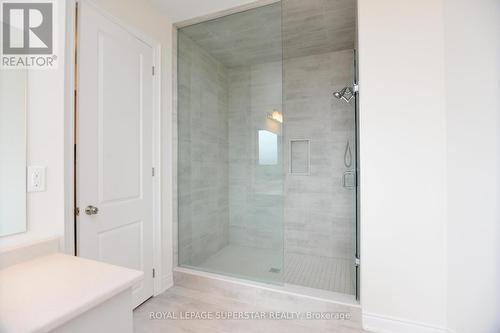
(274, 270)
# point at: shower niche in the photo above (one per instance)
(267, 152)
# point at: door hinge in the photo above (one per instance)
(154, 273)
(153, 172)
(357, 262)
(77, 211)
(153, 70)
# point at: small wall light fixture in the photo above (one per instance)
(276, 116)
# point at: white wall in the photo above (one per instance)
(13, 87)
(472, 37)
(45, 127)
(180, 10)
(142, 16)
(430, 149)
(403, 165)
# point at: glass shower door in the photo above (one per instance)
(320, 131)
(230, 145)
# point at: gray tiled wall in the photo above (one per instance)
(225, 195)
(255, 191)
(319, 211)
(203, 225)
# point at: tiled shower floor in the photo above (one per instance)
(331, 274)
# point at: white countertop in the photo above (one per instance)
(42, 294)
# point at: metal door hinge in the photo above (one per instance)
(153, 172)
(153, 70)
(355, 87)
(154, 273)
(77, 211)
(357, 262)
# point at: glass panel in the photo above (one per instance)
(320, 197)
(230, 180)
(234, 216)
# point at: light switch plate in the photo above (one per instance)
(36, 178)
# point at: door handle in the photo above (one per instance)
(91, 210)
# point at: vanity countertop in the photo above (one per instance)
(40, 295)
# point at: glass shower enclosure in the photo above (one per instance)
(267, 145)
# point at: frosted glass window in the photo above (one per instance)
(268, 148)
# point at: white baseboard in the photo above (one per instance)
(384, 324)
(166, 282)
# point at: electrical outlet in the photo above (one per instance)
(36, 179)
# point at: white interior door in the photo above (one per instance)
(115, 145)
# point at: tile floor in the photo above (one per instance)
(332, 274)
(179, 300)
(247, 263)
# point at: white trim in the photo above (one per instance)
(172, 137)
(167, 281)
(157, 179)
(69, 232)
(69, 133)
(385, 324)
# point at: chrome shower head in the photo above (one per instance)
(347, 94)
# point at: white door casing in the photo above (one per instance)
(115, 143)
